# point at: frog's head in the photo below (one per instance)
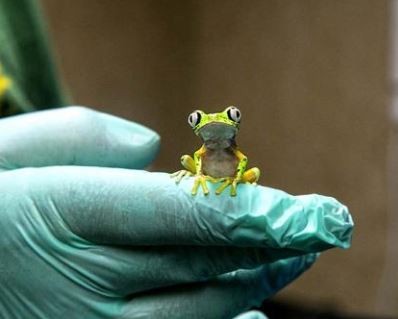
(217, 130)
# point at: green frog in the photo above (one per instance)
(219, 159)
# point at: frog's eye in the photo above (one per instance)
(234, 114)
(194, 118)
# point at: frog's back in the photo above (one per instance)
(219, 163)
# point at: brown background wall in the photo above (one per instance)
(309, 77)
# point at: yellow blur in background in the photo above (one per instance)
(5, 83)
(310, 78)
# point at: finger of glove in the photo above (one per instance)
(252, 315)
(126, 207)
(75, 136)
(224, 297)
(123, 271)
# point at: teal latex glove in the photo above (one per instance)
(83, 235)
(251, 315)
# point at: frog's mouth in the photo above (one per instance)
(218, 135)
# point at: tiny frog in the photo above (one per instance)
(219, 159)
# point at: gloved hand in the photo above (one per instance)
(83, 235)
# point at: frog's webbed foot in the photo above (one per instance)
(200, 180)
(228, 181)
(179, 175)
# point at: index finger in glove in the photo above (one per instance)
(125, 207)
(223, 297)
(75, 136)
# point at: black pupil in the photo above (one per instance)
(192, 118)
(233, 118)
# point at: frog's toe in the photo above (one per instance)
(223, 186)
(205, 189)
(178, 176)
(174, 176)
(194, 190)
(200, 181)
(234, 186)
(204, 185)
(233, 190)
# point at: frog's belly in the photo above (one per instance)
(219, 164)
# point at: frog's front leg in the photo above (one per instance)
(200, 179)
(234, 181)
(188, 163)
